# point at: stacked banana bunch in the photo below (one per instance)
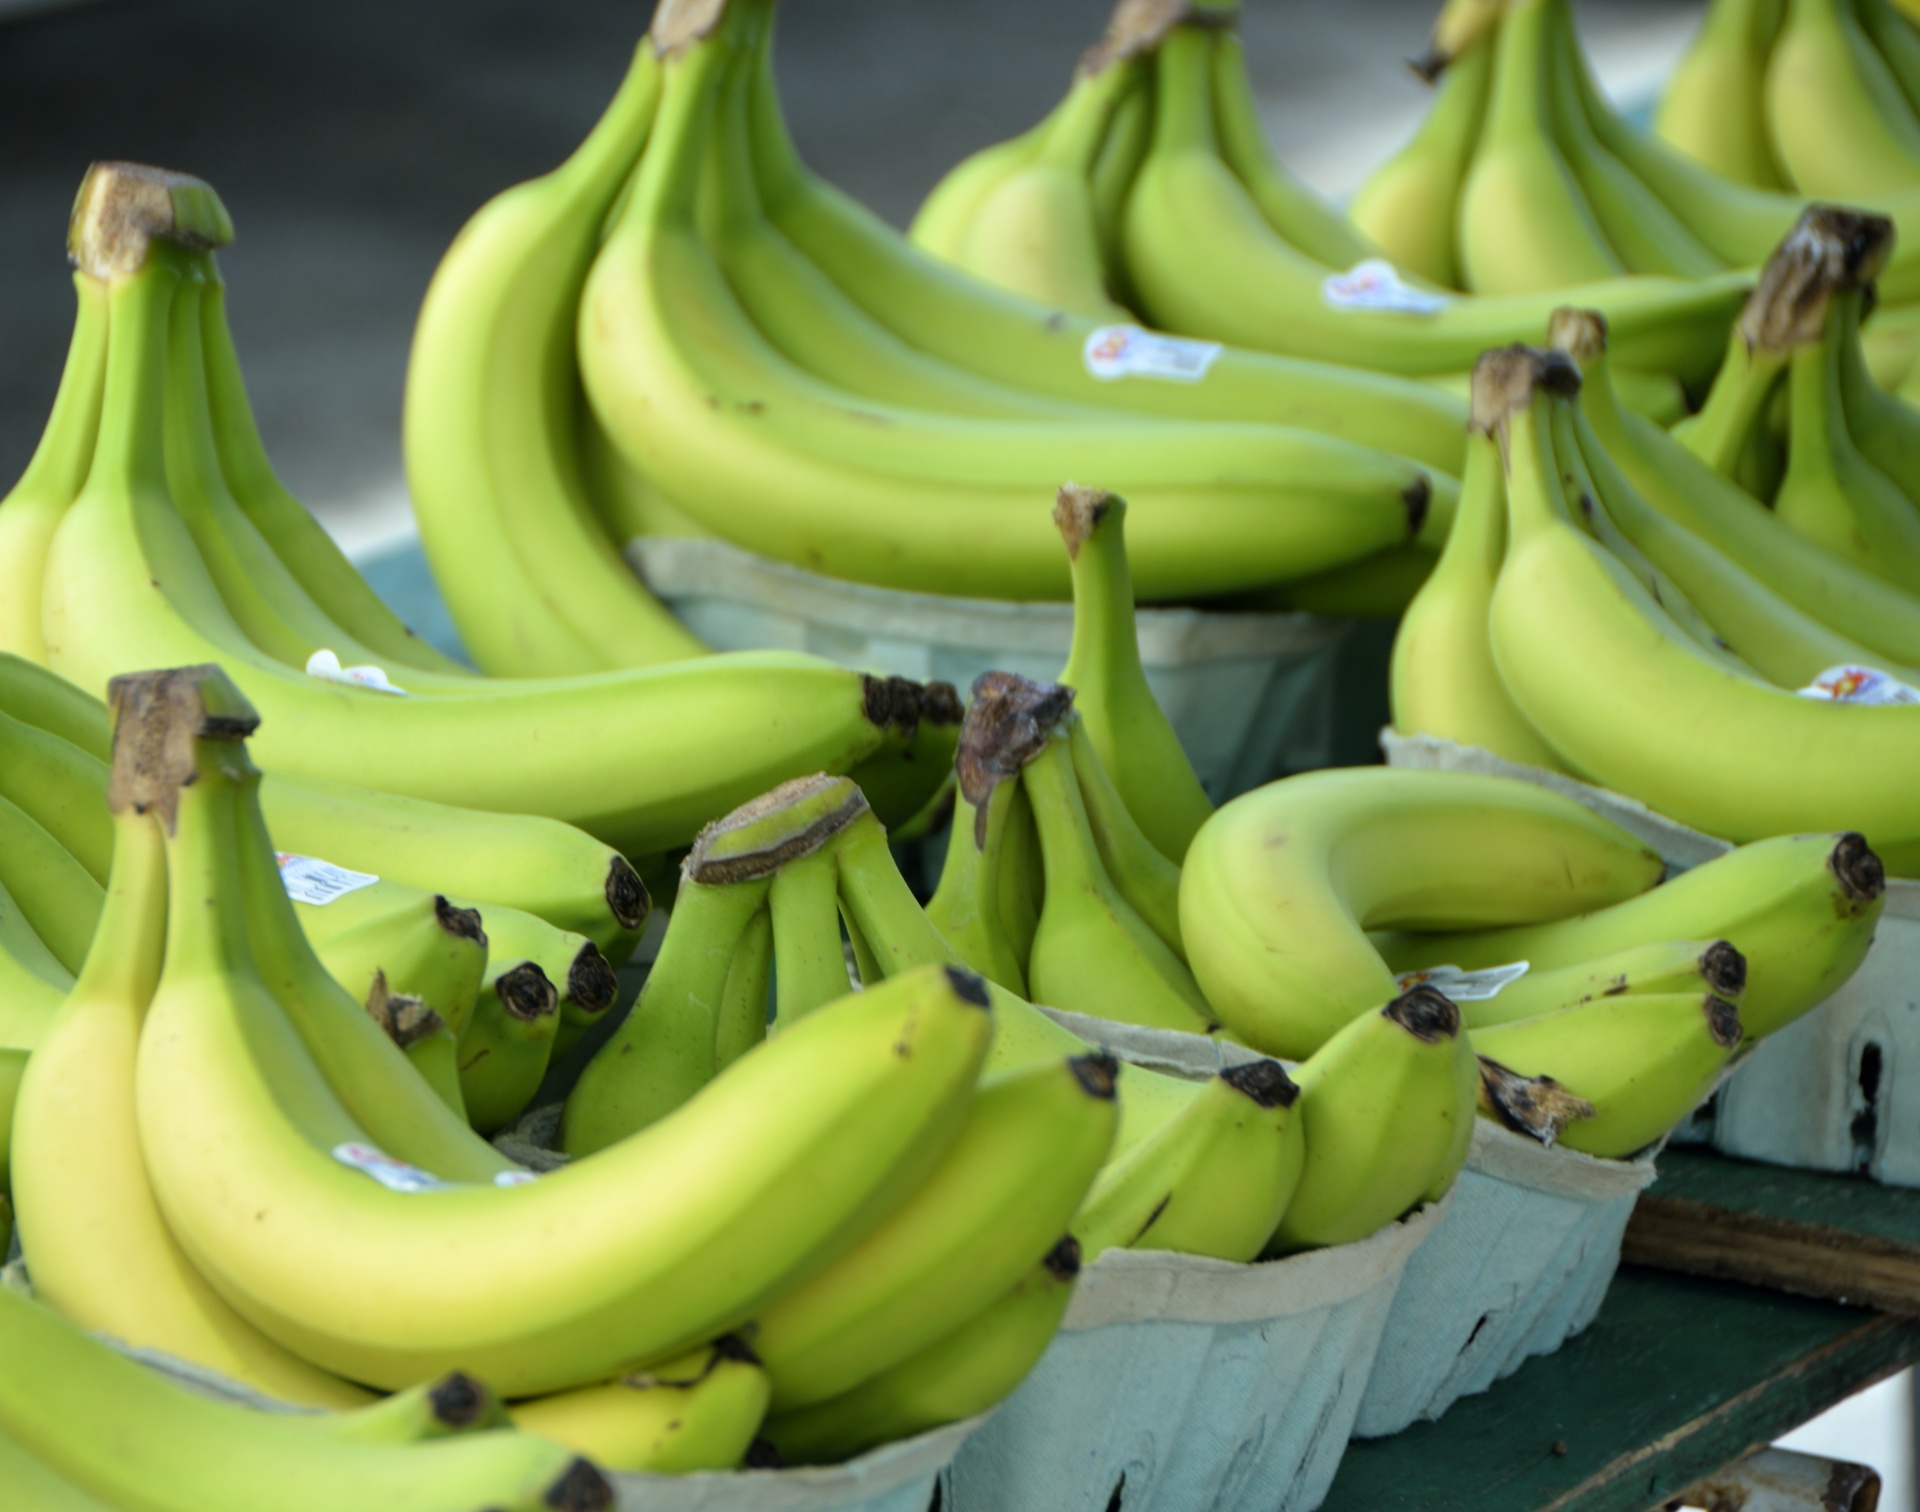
(1151, 186)
(149, 529)
(1822, 96)
(683, 331)
(844, 1236)
(485, 944)
(1605, 587)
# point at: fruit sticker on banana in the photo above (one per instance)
(311, 880)
(1377, 285)
(1859, 685)
(1464, 986)
(325, 665)
(1125, 351)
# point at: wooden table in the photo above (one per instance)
(1680, 1374)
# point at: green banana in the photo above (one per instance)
(454, 1404)
(1802, 909)
(1641, 1062)
(1283, 883)
(700, 1412)
(1030, 1148)
(1146, 879)
(1666, 967)
(966, 906)
(506, 1044)
(178, 1451)
(434, 1051)
(423, 947)
(1714, 106)
(59, 787)
(960, 1376)
(1387, 1108)
(809, 967)
(13, 1068)
(101, 1253)
(57, 897)
(740, 1022)
(1862, 139)
(1214, 1181)
(29, 692)
(32, 982)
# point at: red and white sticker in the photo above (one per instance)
(325, 665)
(1464, 986)
(398, 1176)
(1860, 685)
(309, 880)
(1377, 285)
(1115, 352)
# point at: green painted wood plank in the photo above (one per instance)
(1676, 1378)
(1851, 1204)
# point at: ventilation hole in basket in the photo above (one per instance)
(938, 1498)
(1865, 1128)
(1114, 1501)
(1485, 1318)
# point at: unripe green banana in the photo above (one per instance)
(454, 1404)
(420, 947)
(1660, 967)
(1641, 1062)
(1714, 105)
(49, 702)
(1030, 1148)
(1213, 1181)
(434, 1050)
(56, 896)
(1387, 1106)
(32, 982)
(966, 906)
(13, 1068)
(1146, 879)
(740, 1022)
(1862, 138)
(58, 786)
(1123, 720)
(809, 967)
(507, 1044)
(1283, 883)
(700, 1412)
(970, 1370)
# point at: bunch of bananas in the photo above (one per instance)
(1151, 186)
(683, 331)
(1594, 553)
(481, 989)
(1822, 96)
(845, 1235)
(149, 528)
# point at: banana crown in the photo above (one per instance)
(1139, 26)
(1460, 25)
(792, 820)
(122, 208)
(1537, 1106)
(1581, 334)
(158, 719)
(405, 1019)
(679, 24)
(1506, 378)
(1830, 251)
(1008, 723)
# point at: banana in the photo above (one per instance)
(960, 1376)
(31, 511)
(871, 1091)
(1802, 909)
(1661, 967)
(105, 610)
(1387, 1109)
(32, 982)
(59, 787)
(1880, 424)
(809, 967)
(1641, 1062)
(1714, 105)
(1378, 587)
(1409, 204)
(1214, 1181)
(1205, 263)
(1123, 721)
(1895, 40)
(940, 224)
(101, 1253)
(1831, 588)
(1146, 879)
(740, 1022)
(700, 1412)
(421, 947)
(1442, 678)
(492, 404)
(454, 1404)
(1779, 764)
(432, 1048)
(1283, 883)
(966, 906)
(1030, 1148)
(56, 896)
(1862, 139)
(784, 454)
(1035, 231)
(668, 1047)
(1733, 433)
(32, 694)
(13, 1067)
(36, 1485)
(582, 977)
(178, 1451)
(506, 1045)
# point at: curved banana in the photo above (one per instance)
(421, 947)
(60, 787)
(1146, 879)
(1213, 1181)
(963, 1374)
(740, 1022)
(492, 406)
(506, 1045)
(1387, 1107)
(966, 905)
(1030, 1148)
(1862, 138)
(47, 701)
(57, 897)
(1661, 967)
(32, 983)
(1283, 883)
(700, 1412)
(1642, 1062)
(809, 967)
(1714, 105)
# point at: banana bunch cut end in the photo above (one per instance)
(793, 820)
(678, 24)
(1009, 722)
(157, 718)
(122, 208)
(1139, 26)
(1504, 381)
(1829, 251)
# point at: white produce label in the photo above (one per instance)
(1377, 285)
(1114, 352)
(1860, 685)
(1465, 986)
(309, 880)
(325, 665)
(398, 1176)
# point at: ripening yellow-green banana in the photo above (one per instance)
(1659, 966)
(1283, 883)
(1387, 1109)
(32, 981)
(1714, 106)
(966, 906)
(506, 1044)
(1839, 123)
(421, 946)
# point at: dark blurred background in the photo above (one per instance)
(351, 139)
